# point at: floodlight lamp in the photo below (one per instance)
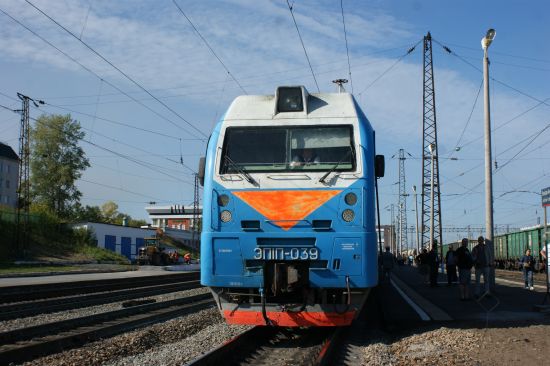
(488, 39)
(414, 189)
(431, 147)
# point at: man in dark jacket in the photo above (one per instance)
(432, 262)
(481, 262)
(528, 264)
(464, 263)
(450, 263)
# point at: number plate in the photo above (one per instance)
(292, 254)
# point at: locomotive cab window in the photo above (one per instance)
(288, 149)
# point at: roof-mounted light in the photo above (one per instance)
(291, 99)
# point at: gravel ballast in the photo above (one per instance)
(18, 323)
(169, 343)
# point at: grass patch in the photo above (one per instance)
(99, 254)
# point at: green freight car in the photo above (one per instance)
(512, 246)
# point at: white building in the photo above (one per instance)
(9, 176)
(120, 239)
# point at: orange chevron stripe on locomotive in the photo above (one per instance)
(286, 208)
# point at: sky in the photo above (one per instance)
(147, 82)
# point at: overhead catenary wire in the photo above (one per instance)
(126, 157)
(457, 145)
(109, 120)
(409, 51)
(118, 69)
(93, 72)
(290, 7)
(347, 48)
(209, 47)
(449, 51)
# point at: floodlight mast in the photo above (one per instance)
(485, 43)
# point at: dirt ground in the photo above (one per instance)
(461, 344)
(520, 345)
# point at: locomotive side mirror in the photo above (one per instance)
(379, 166)
(200, 174)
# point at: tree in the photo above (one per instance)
(88, 213)
(57, 162)
(110, 212)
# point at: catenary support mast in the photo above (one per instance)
(429, 133)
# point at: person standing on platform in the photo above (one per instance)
(450, 262)
(481, 262)
(423, 267)
(528, 264)
(388, 261)
(544, 259)
(464, 263)
(432, 262)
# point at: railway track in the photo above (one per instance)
(271, 346)
(12, 294)
(28, 343)
(50, 305)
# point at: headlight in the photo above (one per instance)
(351, 199)
(348, 215)
(223, 200)
(225, 216)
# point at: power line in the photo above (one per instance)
(507, 122)
(109, 120)
(468, 121)
(119, 189)
(208, 45)
(347, 48)
(525, 147)
(303, 46)
(449, 51)
(117, 69)
(92, 72)
(409, 51)
(129, 158)
(502, 53)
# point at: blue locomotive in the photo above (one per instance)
(288, 232)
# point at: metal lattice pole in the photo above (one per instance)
(403, 242)
(429, 132)
(23, 188)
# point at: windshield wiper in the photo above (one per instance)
(242, 171)
(322, 180)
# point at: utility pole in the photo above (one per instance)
(402, 203)
(430, 198)
(485, 42)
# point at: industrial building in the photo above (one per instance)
(120, 239)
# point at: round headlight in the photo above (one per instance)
(348, 215)
(351, 199)
(225, 216)
(223, 200)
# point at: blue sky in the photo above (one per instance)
(154, 44)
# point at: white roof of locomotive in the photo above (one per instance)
(262, 107)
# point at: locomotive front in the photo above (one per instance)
(288, 234)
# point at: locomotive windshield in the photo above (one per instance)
(288, 149)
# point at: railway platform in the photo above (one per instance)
(510, 302)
